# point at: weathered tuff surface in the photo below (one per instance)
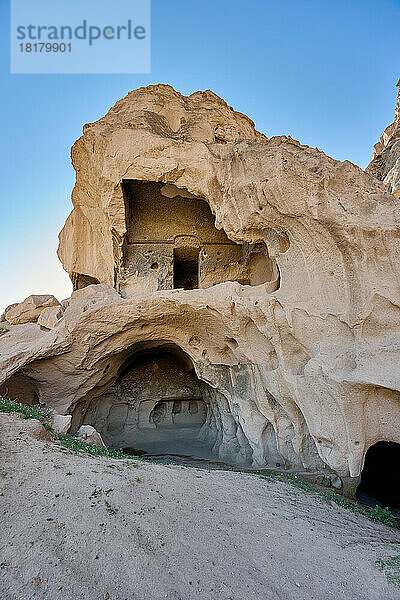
(81, 527)
(30, 309)
(305, 375)
(385, 163)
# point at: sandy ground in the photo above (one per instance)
(77, 527)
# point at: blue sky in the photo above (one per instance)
(322, 71)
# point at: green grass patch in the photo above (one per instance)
(391, 568)
(28, 412)
(377, 514)
(67, 440)
(77, 445)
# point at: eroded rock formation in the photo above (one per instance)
(30, 309)
(385, 163)
(236, 291)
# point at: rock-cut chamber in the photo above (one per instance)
(157, 405)
(172, 242)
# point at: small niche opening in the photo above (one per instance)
(79, 281)
(186, 268)
(20, 388)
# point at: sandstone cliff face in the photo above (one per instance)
(300, 370)
(385, 163)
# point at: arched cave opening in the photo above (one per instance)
(20, 388)
(379, 478)
(158, 406)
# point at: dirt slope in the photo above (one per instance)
(75, 526)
